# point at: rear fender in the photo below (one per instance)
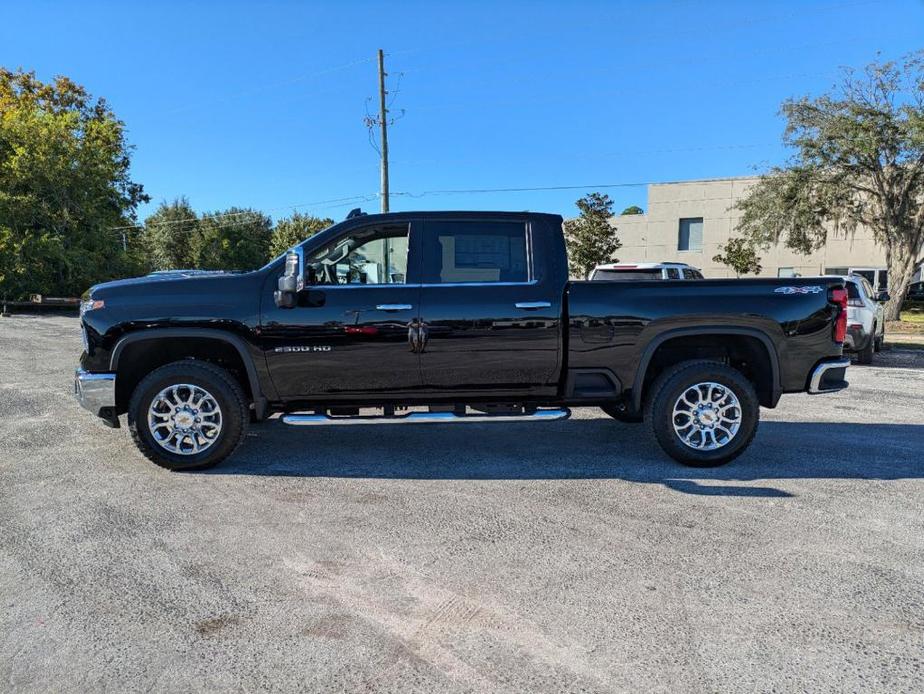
(657, 341)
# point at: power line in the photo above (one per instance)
(534, 189)
(344, 201)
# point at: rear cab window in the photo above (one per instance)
(628, 274)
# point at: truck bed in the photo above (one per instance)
(622, 323)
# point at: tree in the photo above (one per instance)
(171, 236)
(859, 160)
(590, 238)
(234, 239)
(740, 255)
(633, 209)
(64, 185)
(291, 231)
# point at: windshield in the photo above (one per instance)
(634, 274)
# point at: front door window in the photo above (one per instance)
(371, 256)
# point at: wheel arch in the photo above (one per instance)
(769, 389)
(176, 343)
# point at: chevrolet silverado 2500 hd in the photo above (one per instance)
(448, 317)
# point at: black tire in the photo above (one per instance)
(667, 389)
(216, 381)
(620, 413)
(877, 345)
(865, 355)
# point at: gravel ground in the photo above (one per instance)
(527, 558)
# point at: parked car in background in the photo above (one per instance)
(915, 292)
(645, 271)
(865, 318)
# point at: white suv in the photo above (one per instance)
(645, 271)
(865, 318)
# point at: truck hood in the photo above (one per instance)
(156, 278)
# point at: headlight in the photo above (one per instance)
(90, 305)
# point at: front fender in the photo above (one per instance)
(250, 355)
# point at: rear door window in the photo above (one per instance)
(474, 252)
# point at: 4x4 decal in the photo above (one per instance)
(811, 289)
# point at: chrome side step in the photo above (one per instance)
(315, 420)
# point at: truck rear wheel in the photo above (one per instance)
(703, 414)
(188, 415)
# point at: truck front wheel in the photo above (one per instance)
(188, 415)
(703, 414)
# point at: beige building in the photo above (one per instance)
(687, 222)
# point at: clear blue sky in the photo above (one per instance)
(261, 104)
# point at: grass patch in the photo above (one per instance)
(912, 316)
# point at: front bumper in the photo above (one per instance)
(96, 393)
(829, 376)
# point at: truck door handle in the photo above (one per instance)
(530, 305)
(394, 307)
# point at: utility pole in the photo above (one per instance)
(383, 123)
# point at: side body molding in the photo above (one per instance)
(260, 400)
(657, 341)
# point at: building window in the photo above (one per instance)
(786, 272)
(836, 270)
(691, 234)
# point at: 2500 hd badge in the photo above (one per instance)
(301, 348)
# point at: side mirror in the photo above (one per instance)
(883, 296)
(292, 280)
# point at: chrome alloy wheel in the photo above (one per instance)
(184, 419)
(707, 416)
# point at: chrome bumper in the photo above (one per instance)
(95, 391)
(829, 376)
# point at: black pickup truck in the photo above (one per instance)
(448, 317)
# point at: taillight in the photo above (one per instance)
(839, 297)
(858, 303)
